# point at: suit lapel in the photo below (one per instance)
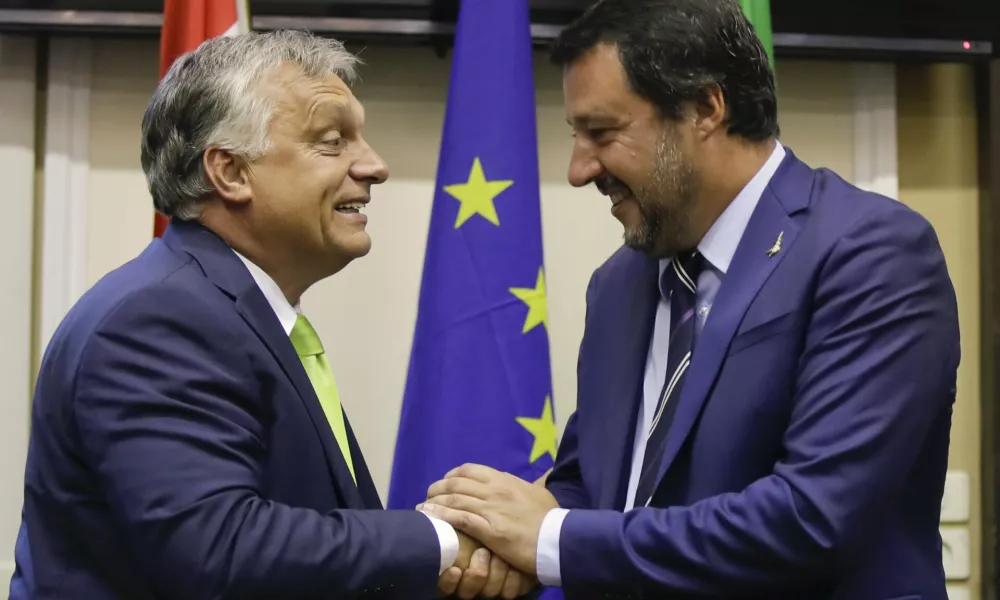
(619, 375)
(256, 311)
(366, 487)
(750, 268)
(223, 268)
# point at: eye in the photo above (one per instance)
(336, 144)
(597, 133)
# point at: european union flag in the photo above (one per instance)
(479, 387)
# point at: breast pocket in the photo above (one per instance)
(757, 333)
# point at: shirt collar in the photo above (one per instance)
(719, 244)
(283, 309)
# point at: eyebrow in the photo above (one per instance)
(598, 117)
(321, 113)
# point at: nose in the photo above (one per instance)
(370, 167)
(583, 164)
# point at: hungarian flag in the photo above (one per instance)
(759, 13)
(188, 23)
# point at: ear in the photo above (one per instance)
(710, 111)
(228, 174)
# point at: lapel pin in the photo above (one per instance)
(777, 245)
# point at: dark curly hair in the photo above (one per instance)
(672, 50)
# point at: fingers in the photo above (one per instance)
(480, 473)
(448, 581)
(467, 504)
(459, 485)
(474, 578)
(467, 522)
(527, 584)
(496, 578)
(513, 584)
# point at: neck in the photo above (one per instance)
(729, 167)
(292, 276)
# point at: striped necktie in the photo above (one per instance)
(307, 345)
(680, 281)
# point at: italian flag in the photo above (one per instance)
(759, 13)
(188, 23)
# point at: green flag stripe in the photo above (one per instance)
(759, 13)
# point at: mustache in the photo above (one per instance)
(609, 183)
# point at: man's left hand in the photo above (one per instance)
(500, 510)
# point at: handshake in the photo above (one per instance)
(498, 517)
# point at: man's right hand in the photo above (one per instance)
(477, 573)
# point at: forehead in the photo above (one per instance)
(308, 100)
(595, 86)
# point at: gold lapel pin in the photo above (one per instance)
(777, 245)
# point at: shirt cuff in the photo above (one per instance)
(448, 540)
(547, 554)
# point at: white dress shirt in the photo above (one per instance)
(287, 315)
(718, 247)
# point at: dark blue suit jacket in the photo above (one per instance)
(178, 451)
(808, 452)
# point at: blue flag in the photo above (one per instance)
(479, 387)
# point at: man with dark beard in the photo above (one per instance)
(768, 368)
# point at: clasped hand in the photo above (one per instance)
(500, 516)
(478, 573)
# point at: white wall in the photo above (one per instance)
(17, 172)
(366, 314)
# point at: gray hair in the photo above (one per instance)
(209, 97)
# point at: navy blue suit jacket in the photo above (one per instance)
(807, 455)
(178, 451)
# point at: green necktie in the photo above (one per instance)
(310, 351)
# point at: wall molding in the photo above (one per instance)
(18, 142)
(64, 230)
(875, 144)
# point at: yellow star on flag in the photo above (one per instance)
(476, 195)
(544, 430)
(538, 311)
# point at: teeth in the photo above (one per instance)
(353, 207)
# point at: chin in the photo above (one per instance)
(342, 249)
(358, 246)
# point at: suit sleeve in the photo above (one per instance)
(171, 422)
(878, 369)
(565, 482)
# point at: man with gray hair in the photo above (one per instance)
(187, 438)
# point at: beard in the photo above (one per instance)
(665, 203)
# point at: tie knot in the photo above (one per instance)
(681, 276)
(304, 338)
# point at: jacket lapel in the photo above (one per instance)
(751, 266)
(227, 272)
(366, 487)
(255, 310)
(618, 377)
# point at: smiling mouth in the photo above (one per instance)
(352, 208)
(619, 196)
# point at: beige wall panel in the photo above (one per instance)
(125, 73)
(17, 171)
(816, 113)
(938, 178)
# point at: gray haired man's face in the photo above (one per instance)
(310, 189)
